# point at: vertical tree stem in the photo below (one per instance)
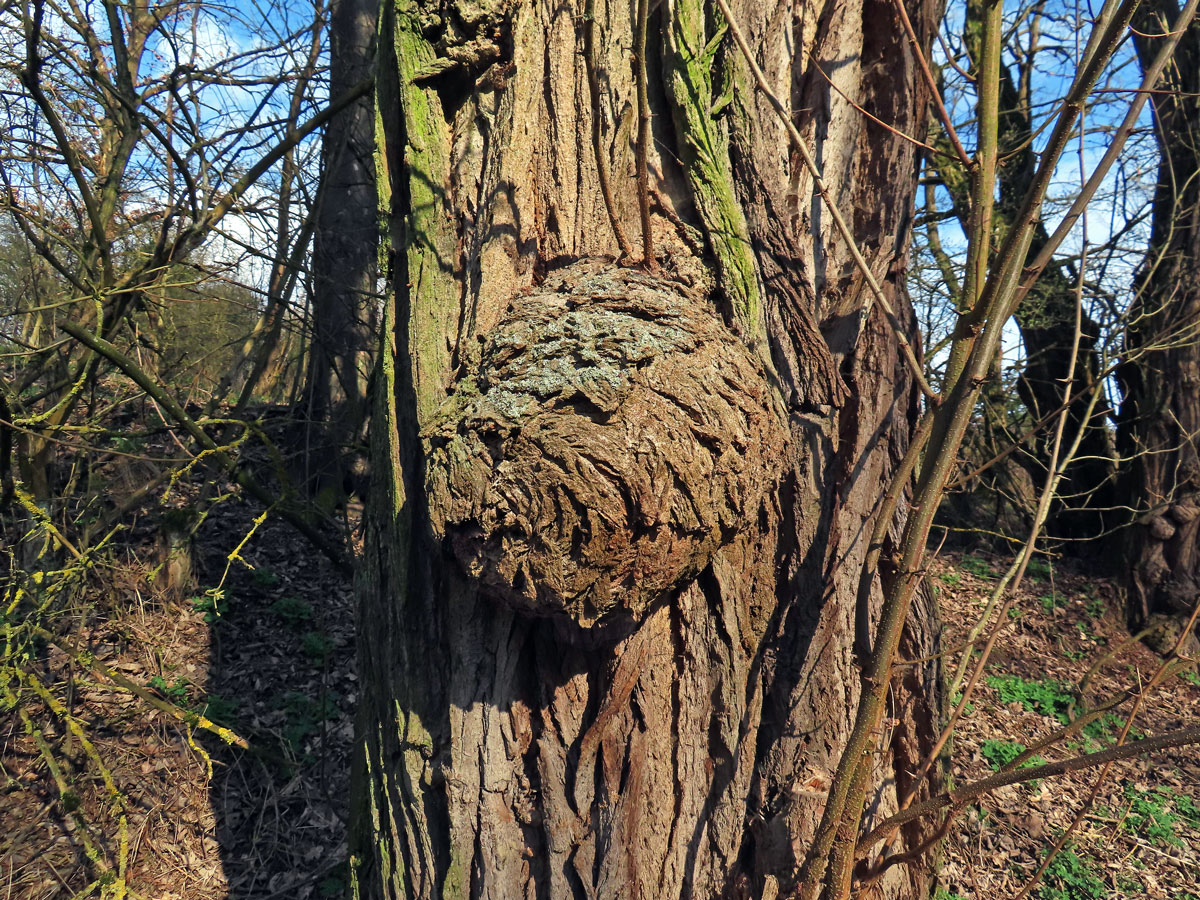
(987, 16)
(643, 133)
(992, 309)
(591, 65)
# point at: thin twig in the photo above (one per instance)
(928, 148)
(934, 90)
(591, 66)
(201, 437)
(185, 716)
(1181, 738)
(1090, 799)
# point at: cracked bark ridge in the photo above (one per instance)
(613, 436)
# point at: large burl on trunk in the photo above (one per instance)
(610, 607)
(615, 436)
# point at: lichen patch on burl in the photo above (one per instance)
(613, 436)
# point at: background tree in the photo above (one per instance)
(1051, 367)
(345, 254)
(134, 140)
(1160, 415)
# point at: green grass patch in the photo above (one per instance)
(978, 567)
(1046, 697)
(1157, 813)
(1053, 699)
(332, 887)
(128, 443)
(1070, 878)
(1105, 729)
(264, 578)
(1038, 570)
(956, 698)
(304, 716)
(1129, 887)
(208, 603)
(176, 691)
(316, 645)
(1051, 602)
(294, 611)
(1001, 753)
(221, 710)
(951, 578)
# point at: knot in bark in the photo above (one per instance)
(614, 435)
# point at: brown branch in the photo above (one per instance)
(1162, 672)
(950, 424)
(590, 64)
(928, 148)
(194, 234)
(225, 462)
(1181, 738)
(30, 76)
(185, 716)
(934, 91)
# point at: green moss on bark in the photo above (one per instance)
(429, 240)
(704, 150)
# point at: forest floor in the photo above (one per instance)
(1141, 835)
(264, 645)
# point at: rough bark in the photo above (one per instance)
(614, 436)
(345, 254)
(523, 733)
(1159, 428)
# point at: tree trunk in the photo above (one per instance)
(345, 254)
(1159, 429)
(609, 614)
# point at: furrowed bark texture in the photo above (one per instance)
(608, 612)
(1159, 428)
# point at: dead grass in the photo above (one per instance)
(267, 823)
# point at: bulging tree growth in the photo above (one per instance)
(630, 248)
(655, 457)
